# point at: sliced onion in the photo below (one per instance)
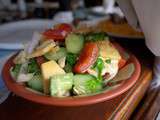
(34, 42)
(24, 77)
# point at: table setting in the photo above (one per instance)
(122, 102)
(8, 53)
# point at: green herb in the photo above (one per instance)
(108, 61)
(95, 37)
(33, 67)
(68, 68)
(71, 59)
(15, 70)
(98, 66)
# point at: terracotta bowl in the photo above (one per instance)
(20, 90)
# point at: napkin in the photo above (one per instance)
(146, 12)
(129, 12)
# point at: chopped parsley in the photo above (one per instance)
(33, 67)
(71, 59)
(95, 37)
(98, 66)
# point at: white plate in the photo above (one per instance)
(14, 35)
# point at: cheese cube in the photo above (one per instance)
(49, 69)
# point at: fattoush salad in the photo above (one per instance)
(60, 62)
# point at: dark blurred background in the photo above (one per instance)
(13, 10)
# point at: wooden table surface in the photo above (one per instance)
(18, 108)
(121, 107)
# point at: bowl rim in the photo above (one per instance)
(21, 90)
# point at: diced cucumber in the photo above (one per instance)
(36, 83)
(74, 43)
(56, 55)
(60, 85)
(83, 77)
(86, 84)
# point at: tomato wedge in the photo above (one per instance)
(123, 53)
(59, 32)
(55, 34)
(64, 26)
(87, 57)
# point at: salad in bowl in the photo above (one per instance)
(61, 63)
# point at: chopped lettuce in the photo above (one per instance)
(14, 71)
(56, 55)
(60, 85)
(86, 84)
(20, 58)
(68, 68)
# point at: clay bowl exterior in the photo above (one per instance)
(21, 90)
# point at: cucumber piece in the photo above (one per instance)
(60, 85)
(83, 77)
(36, 83)
(86, 84)
(74, 43)
(56, 55)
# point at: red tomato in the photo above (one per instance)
(87, 57)
(55, 34)
(64, 26)
(40, 60)
(122, 52)
(59, 32)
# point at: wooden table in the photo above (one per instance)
(119, 108)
